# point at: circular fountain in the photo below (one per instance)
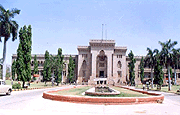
(101, 89)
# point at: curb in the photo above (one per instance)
(156, 98)
(31, 89)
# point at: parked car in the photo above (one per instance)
(7, 89)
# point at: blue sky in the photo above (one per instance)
(65, 24)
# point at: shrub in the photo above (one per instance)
(16, 86)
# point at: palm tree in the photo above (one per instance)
(150, 61)
(176, 55)
(7, 27)
(166, 55)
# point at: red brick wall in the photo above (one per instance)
(105, 100)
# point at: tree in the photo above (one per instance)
(53, 64)
(7, 27)
(171, 73)
(71, 67)
(13, 69)
(131, 66)
(59, 66)
(35, 66)
(20, 63)
(158, 73)
(47, 68)
(8, 72)
(175, 60)
(24, 55)
(142, 69)
(150, 61)
(166, 56)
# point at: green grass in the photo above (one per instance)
(128, 93)
(174, 88)
(74, 91)
(33, 84)
(40, 85)
(123, 92)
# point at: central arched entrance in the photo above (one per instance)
(101, 65)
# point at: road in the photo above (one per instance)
(30, 102)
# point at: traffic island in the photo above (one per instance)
(153, 98)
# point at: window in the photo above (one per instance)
(119, 56)
(101, 64)
(84, 64)
(42, 63)
(119, 73)
(41, 73)
(97, 82)
(119, 64)
(84, 55)
(32, 63)
(84, 73)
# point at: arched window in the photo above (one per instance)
(84, 64)
(38, 63)
(102, 56)
(119, 64)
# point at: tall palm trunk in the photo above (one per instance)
(152, 78)
(169, 80)
(23, 84)
(174, 75)
(4, 60)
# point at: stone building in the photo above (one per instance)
(101, 59)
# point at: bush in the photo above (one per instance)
(16, 86)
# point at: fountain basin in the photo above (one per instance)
(102, 91)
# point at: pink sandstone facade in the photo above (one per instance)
(100, 59)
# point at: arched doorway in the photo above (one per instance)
(101, 65)
(84, 72)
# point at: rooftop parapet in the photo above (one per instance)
(42, 55)
(121, 47)
(82, 47)
(101, 41)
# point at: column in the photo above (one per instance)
(109, 66)
(93, 65)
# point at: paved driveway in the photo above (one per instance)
(31, 103)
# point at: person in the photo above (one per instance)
(147, 83)
(11, 82)
(143, 87)
(29, 83)
(52, 81)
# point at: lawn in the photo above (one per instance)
(33, 84)
(74, 91)
(129, 93)
(174, 88)
(123, 92)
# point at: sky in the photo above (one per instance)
(66, 24)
